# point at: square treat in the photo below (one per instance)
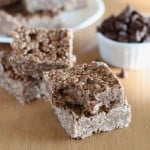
(37, 50)
(24, 89)
(87, 99)
(53, 5)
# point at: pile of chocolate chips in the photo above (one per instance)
(128, 26)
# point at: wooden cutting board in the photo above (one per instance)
(35, 127)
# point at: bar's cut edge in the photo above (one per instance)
(81, 127)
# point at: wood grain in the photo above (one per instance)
(35, 127)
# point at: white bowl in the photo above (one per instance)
(124, 55)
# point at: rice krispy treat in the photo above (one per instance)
(24, 89)
(53, 5)
(37, 50)
(87, 99)
(10, 19)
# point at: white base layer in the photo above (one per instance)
(24, 92)
(82, 127)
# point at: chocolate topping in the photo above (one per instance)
(82, 88)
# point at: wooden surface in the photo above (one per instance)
(35, 127)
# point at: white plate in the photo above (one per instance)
(79, 19)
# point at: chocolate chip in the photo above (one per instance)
(120, 26)
(125, 15)
(78, 138)
(123, 33)
(91, 81)
(87, 114)
(112, 35)
(73, 104)
(32, 36)
(103, 108)
(136, 24)
(40, 45)
(134, 17)
(135, 36)
(122, 37)
(108, 24)
(147, 39)
(112, 103)
(123, 73)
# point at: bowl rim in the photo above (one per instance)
(120, 43)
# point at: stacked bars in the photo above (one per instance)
(16, 14)
(36, 13)
(34, 51)
(24, 88)
(38, 50)
(87, 99)
(8, 22)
